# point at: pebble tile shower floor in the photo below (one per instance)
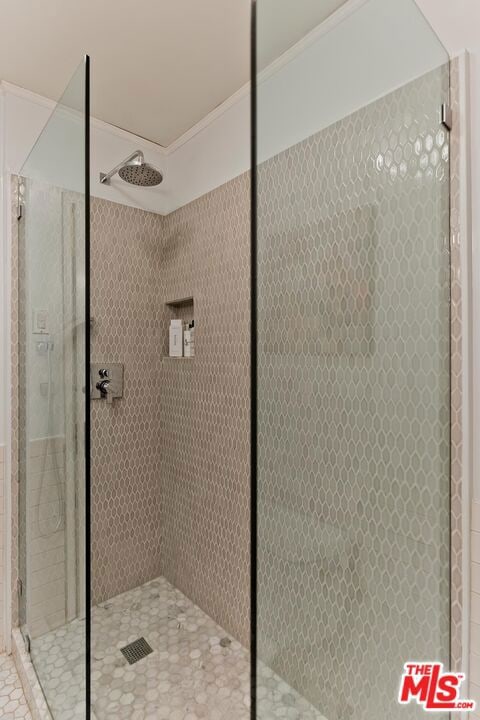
(194, 673)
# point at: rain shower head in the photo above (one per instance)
(144, 175)
(135, 171)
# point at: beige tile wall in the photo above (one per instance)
(170, 475)
(204, 406)
(141, 260)
(126, 485)
(456, 340)
(354, 404)
(458, 195)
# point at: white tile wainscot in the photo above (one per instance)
(46, 489)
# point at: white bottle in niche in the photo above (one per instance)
(176, 338)
(189, 340)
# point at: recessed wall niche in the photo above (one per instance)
(182, 309)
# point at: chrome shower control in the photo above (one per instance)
(103, 386)
(106, 381)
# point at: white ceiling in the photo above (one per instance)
(282, 23)
(158, 66)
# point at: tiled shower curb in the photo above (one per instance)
(28, 677)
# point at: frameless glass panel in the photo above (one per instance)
(53, 241)
(353, 287)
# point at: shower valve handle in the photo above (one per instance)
(103, 386)
(106, 381)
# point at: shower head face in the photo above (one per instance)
(141, 174)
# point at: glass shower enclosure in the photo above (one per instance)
(351, 376)
(350, 359)
(53, 324)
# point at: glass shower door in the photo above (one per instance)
(352, 376)
(53, 401)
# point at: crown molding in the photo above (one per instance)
(285, 58)
(209, 119)
(325, 27)
(345, 11)
(10, 89)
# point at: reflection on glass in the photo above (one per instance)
(353, 365)
(52, 238)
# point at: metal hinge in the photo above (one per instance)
(19, 200)
(446, 116)
(19, 587)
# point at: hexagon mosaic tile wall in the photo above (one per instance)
(459, 237)
(170, 461)
(205, 408)
(354, 404)
(306, 631)
(126, 473)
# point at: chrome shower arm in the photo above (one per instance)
(105, 177)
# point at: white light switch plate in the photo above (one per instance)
(40, 322)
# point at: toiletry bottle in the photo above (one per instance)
(192, 338)
(176, 338)
(188, 341)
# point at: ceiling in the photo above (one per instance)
(158, 66)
